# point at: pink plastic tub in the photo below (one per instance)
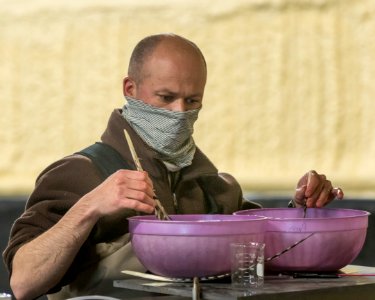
(191, 245)
(337, 237)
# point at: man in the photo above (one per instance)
(74, 232)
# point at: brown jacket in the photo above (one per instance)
(64, 182)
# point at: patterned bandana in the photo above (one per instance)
(168, 132)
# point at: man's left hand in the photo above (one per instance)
(315, 190)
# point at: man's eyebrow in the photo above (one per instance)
(165, 90)
(170, 92)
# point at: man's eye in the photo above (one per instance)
(192, 101)
(166, 98)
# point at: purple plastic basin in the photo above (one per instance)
(338, 237)
(191, 245)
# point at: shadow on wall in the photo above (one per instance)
(12, 207)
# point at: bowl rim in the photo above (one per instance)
(234, 225)
(359, 213)
(232, 218)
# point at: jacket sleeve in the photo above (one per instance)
(57, 189)
(223, 194)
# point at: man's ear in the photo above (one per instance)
(128, 87)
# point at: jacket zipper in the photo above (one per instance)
(173, 179)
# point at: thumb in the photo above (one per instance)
(299, 196)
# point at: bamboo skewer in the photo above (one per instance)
(305, 202)
(160, 212)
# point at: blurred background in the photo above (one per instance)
(290, 86)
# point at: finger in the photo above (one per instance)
(300, 193)
(139, 196)
(325, 195)
(139, 205)
(140, 186)
(337, 193)
(137, 180)
(315, 184)
(299, 196)
(132, 174)
(303, 180)
(146, 178)
(319, 197)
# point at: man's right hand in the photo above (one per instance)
(125, 189)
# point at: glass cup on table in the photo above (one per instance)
(247, 264)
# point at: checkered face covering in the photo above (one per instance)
(168, 132)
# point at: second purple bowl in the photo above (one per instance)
(337, 237)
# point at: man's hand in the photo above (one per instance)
(315, 190)
(123, 189)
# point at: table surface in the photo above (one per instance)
(275, 287)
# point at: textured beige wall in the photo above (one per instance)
(291, 83)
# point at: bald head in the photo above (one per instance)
(162, 44)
